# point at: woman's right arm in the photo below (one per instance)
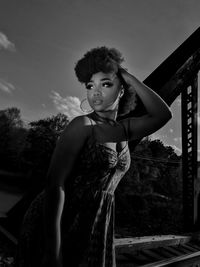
(61, 166)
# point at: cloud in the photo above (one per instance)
(69, 105)
(6, 87)
(177, 139)
(5, 43)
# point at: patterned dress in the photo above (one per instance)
(88, 214)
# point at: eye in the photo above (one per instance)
(89, 86)
(107, 84)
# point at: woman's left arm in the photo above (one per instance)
(158, 112)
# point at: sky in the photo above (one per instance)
(41, 40)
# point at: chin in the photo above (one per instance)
(98, 108)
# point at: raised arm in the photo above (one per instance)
(61, 166)
(158, 112)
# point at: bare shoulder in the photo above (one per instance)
(78, 126)
(80, 121)
(73, 137)
(68, 149)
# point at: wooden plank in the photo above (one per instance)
(190, 248)
(137, 258)
(8, 235)
(183, 249)
(151, 241)
(166, 253)
(152, 255)
(194, 245)
(163, 250)
(174, 251)
(190, 260)
(122, 260)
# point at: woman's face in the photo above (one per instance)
(103, 91)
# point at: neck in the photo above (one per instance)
(112, 115)
(105, 117)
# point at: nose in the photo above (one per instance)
(97, 92)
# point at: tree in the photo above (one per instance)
(13, 116)
(149, 199)
(41, 140)
(12, 134)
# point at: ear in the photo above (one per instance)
(121, 92)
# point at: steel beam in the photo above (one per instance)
(189, 154)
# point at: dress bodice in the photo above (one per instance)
(100, 167)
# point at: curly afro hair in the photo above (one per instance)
(100, 59)
(103, 59)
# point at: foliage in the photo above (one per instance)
(12, 116)
(27, 148)
(12, 136)
(41, 140)
(149, 198)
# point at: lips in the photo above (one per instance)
(97, 101)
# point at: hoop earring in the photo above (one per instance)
(83, 109)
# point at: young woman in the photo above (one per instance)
(71, 223)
